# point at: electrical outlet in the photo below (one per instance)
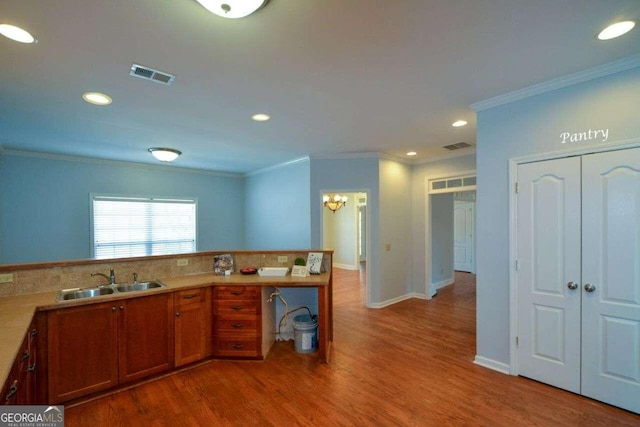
(6, 278)
(283, 259)
(183, 261)
(387, 246)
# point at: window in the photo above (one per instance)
(137, 226)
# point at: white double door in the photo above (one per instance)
(578, 276)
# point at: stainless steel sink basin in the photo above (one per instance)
(79, 293)
(85, 293)
(142, 286)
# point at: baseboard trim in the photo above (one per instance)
(345, 266)
(492, 364)
(417, 295)
(443, 283)
(391, 301)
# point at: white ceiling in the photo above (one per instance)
(337, 76)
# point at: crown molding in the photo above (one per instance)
(92, 160)
(364, 155)
(277, 166)
(559, 83)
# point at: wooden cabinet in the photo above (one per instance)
(98, 346)
(243, 322)
(193, 325)
(21, 386)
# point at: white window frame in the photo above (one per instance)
(130, 198)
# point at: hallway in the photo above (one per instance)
(407, 364)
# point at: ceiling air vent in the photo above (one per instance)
(151, 74)
(457, 146)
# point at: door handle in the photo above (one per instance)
(589, 287)
(572, 285)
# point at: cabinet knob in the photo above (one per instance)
(122, 307)
(177, 314)
(113, 309)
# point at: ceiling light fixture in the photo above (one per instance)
(411, 153)
(334, 201)
(97, 98)
(616, 30)
(261, 117)
(232, 8)
(459, 123)
(165, 154)
(17, 34)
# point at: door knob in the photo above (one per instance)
(589, 287)
(572, 285)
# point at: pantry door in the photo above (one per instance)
(548, 272)
(611, 278)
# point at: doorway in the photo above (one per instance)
(577, 274)
(464, 235)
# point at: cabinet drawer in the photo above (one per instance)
(237, 347)
(245, 325)
(231, 307)
(237, 292)
(190, 296)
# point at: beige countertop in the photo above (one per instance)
(16, 312)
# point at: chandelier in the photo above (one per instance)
(334, 201)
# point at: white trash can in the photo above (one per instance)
(305, 333)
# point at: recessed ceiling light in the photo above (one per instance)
(616, 30)
(261, 117)
(411, 153)
(16, 34)
(96, 98)
(459, 123)
(232, 8)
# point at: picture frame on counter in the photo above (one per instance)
(314, 262)
(299, 271)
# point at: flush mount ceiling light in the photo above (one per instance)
(411, 153)
(165, 154)
(333, 202)
(97, 98)
(232, 8)
(17, 34)
(459, 123)
(260, 117)
(616, 30)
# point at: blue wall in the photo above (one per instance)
(44, 204)
(277, 208)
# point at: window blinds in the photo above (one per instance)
(129, 227)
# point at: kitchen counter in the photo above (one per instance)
(16, 312)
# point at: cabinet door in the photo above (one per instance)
(82, 350)
(146, 336)
(193, 325)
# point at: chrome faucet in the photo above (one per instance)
(135, 277)
(111, 277)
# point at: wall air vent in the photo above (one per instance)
(151, 74)
(457, 146)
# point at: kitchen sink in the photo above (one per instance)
(142, 286)
(80, 293)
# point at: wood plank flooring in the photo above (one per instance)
(407, 364)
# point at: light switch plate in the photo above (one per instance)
(6, 278)
(183, 261)
(282, 259)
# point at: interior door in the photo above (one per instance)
(611, 278)
(463, 236)
(548, 273)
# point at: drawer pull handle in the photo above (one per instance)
(238, 346)
(25, 356)
(34, 332)
(190, 296)
(238, 325)
(31, 368)
(238, 307)
(236, 293)
(12, 391)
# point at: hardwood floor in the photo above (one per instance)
(407, 364)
